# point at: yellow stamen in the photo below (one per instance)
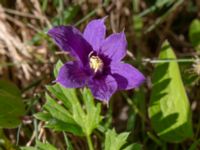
(96, 64)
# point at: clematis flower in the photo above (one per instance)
(98, 63)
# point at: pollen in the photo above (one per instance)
(96, 64)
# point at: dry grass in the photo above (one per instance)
(17, 28)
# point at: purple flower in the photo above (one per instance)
(98, 60)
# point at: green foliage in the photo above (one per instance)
(138, 25)
(71, 116)
(44, 146)
(9, 88)
(40, 146)
(12, 107)
(194, 34)
(114, 141)
(66, 15)
(74, 111)
(169, 109)
(158, 5)
(195, 145)
(134, 146)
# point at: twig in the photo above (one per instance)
(35, 134)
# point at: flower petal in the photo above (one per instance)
(114, 46)
(95, 33)
(70, 39)
(127, 76)
(103, 88)
(71, 75)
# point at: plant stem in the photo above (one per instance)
(168, 60)
(68, 143)
(18, 134)
(90, 14)
(155, 139)
(89, 141)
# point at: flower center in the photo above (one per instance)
(96, 64)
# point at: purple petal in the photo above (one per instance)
(114, 46)
(127, 76)
(70, 39)
(103, 88)
(95, 33)
(71, 75)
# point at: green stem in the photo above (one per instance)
(89, 141)
(92, 13)
(18, 134)
(168, 60)
(68, 143)
(155, 139)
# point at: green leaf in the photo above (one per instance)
(10, 88)
(195, 145)
(114, 141)
(11, 105)
(134, 146)
(169, 108)
(57, 67)
(57, 111)
(194, 34)
(58, 118)
(45, 146)
(44, 116)
(92, 116)
(65, 95)
(63, 111)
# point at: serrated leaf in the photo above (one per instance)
(169, 108)
(114, 141)
(62, 94)
(58, 118)
(11, 105)
(194, 33)
(57, 111)
(58, 125)
(92, 117)
(70, 114)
